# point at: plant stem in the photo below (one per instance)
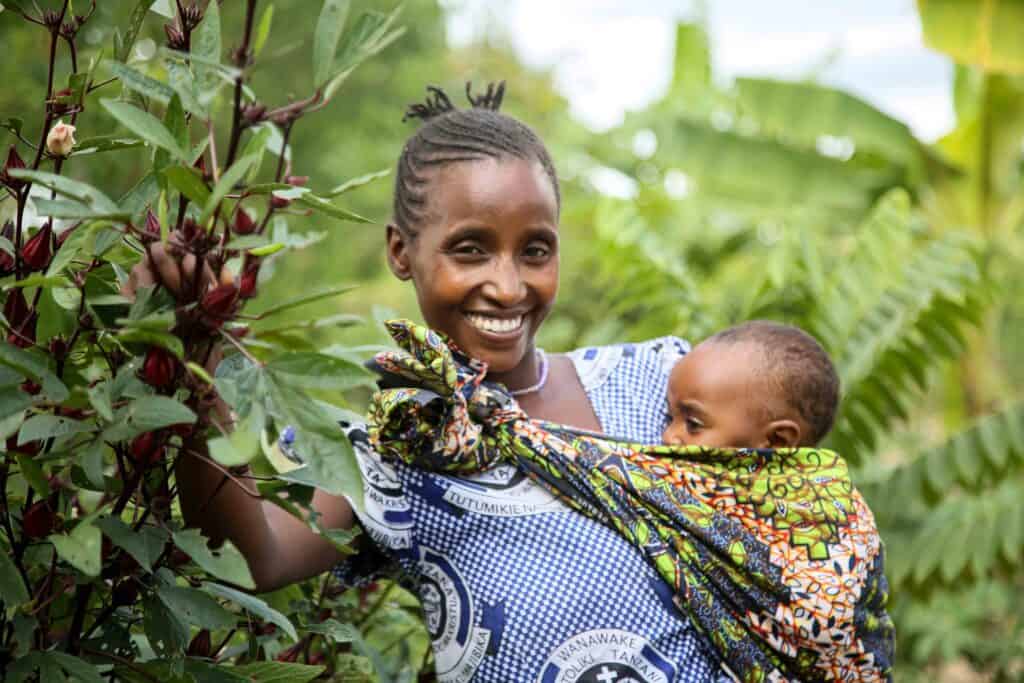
(241, 61)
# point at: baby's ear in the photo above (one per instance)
(783, 434)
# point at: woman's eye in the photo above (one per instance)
(467, 249)
(537, 252)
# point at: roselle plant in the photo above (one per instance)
(102, 393)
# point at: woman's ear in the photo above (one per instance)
(783, 434)
(398, 253)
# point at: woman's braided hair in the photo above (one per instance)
(449, 135)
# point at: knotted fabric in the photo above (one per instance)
(772, 554)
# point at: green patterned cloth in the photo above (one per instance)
(773, 555)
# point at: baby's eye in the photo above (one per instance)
(693, 425)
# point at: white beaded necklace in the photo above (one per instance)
(544, 366)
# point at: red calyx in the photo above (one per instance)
(13, 161)
(160, 368)
(147, 448)
(297, 180)
(38, 251)
(279, 202)
(7, 260)
(250, 274)
(38, 520)
(244, 224)
(21, 318)
(290, 654)
(219, 303)
(152, 224)
(200, 645)
(27, 448)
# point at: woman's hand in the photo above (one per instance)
(170, 266)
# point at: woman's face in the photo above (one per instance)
(484, 259)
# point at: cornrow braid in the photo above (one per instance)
(450, 135)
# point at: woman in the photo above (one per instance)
(515, 586)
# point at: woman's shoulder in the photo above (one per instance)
(630, 360)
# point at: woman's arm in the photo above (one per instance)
(279, 548)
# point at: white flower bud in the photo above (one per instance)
(60, 140)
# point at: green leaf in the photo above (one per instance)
(254, 605)
(92, 463)
(325, 39)
(206, 49)
(359, 181)
(12, 589)
(189, 182)
(80, 670)
(227, 181)
(45, 426)
(241, 445)
(13, 400)
(62, 208)
(306, 299)
(196, 607)
(263, 30)
(33, 473)
(12, 124)
(80, 548)
(335, 630)
(123, 46)
(147, 414)
(277, 672)
(167, 633)
(105, 143)
(225, 563)
(145, 545)
(153, 337)
(146, 126)
(183, 83)
(75, 189)
(140, 83)
(267, 250)
(319, 371)
(985, 34)
(30, 366)
(333, 210)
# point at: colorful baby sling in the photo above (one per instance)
(773, 555)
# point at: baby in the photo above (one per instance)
(756, 385)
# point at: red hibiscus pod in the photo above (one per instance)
(24, 335)
(14, 161)
(244, 224)
(177, 557)
(200, 645)
(152, 224)
(146, 448)
(160, 367)
(38, 520)
(21, 318)
(250, 275)
(31, 388)
(264, 629)
(290, 654)
(27, 448)
(7, 260)
(38, 251)
(279, 202)
(220, 302)
(297, 180)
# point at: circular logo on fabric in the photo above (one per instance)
(501, 491)
(607, 656)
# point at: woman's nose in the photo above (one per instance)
(505, 286)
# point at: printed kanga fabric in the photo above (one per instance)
(773, 555)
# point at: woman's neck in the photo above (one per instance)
(524, 375)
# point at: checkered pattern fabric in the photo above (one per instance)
(516, 587)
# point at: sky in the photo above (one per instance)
(611, 56)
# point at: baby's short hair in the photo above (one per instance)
(797, 365)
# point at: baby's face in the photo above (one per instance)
(715, 398)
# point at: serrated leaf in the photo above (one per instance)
(206, 49)
(29, 365)
(147, 414)
(254, 605)
(81, 192)
(319, 371)
(277, 672)
(45, 426)
(225, 563)
(138, 82)
(167, 634)
(145, 545)
(335, 630)
(241, 445)
(80, 548)
(80, 670)
(124, 44)
(196, 607)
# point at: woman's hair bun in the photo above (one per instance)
(437, 101)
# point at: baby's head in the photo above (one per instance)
(757, 385)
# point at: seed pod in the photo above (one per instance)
(160, 367)
(21, 318)
(147, 448)
(152, 224)
(27, 448)
(38, 251)
(175, 38)
(250, 275)
(14, 161)
(38, 520)
(244, 224)
(200, 645)
(279, 202)
(297, 180)
(219, 303)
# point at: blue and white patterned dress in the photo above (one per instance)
(515, 586)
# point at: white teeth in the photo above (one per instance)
(488, 324)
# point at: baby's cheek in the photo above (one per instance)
(674, 434)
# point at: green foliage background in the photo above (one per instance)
(803, 204)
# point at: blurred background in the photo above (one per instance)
(853, 168)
